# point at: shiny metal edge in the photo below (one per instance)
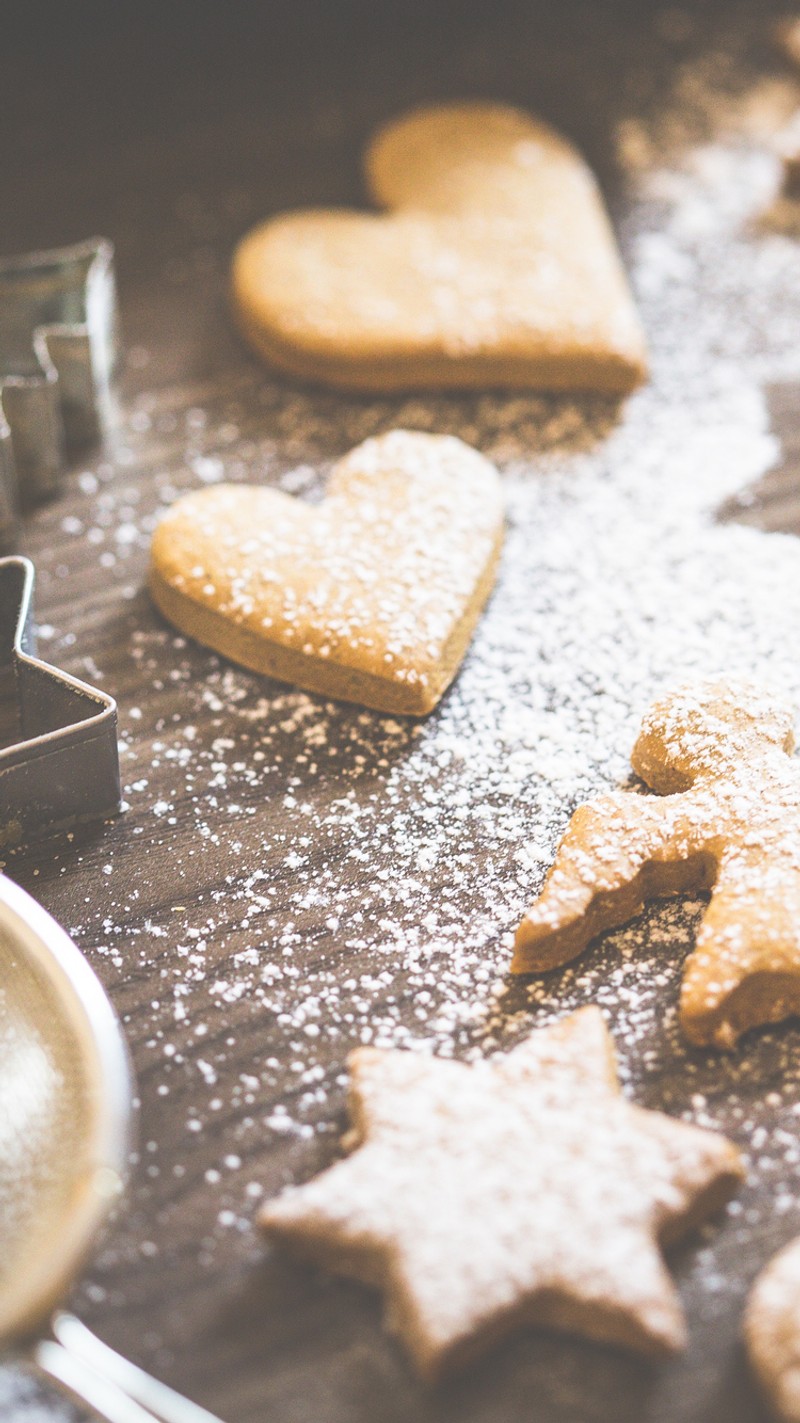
(108, 706)
(100, 248)
(111, 1082)
(39, 412)
(21, 758)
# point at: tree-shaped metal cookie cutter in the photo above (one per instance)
(58, 350)
(59, 762)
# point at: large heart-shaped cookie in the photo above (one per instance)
(496, 265)
(371, 595)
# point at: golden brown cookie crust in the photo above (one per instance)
(371, 597)
(495, 266)
(772, 1332)
(720, 756)
(520, 1191)
(787, 38)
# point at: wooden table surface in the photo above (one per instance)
(170, 130)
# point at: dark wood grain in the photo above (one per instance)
(170, 129)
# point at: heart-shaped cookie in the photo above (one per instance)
(496, 265)
(371, 596)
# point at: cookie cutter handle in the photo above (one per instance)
(114, 1388)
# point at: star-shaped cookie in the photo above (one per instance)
(719, 753)
(521, 1190)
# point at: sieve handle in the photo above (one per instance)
(104, 1398)
(115, 1389)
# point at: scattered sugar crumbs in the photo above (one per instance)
(351, 878)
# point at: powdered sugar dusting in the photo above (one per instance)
(727, 819)
(773, 1325)
(570, 1230)
(372, 593)
(351, 878)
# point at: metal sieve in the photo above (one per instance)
(65, 1127)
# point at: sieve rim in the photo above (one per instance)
(102, 1171)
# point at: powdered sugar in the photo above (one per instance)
(361, 876)
(773, 1326)
(567, 1233)
(727, 818)
(371, 595)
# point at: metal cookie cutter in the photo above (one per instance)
(59, 762)
(58, 350)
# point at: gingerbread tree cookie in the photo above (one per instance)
(522, 1190)
(720, 756)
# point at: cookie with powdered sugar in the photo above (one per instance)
(728, 821)
(523, 1190)
(493, 264)
(772, 1331)
(371, 596)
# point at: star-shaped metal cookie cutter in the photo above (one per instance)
(58, 351)
(59, 763)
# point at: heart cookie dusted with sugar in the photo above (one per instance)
(371, 596)
(495, 265)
